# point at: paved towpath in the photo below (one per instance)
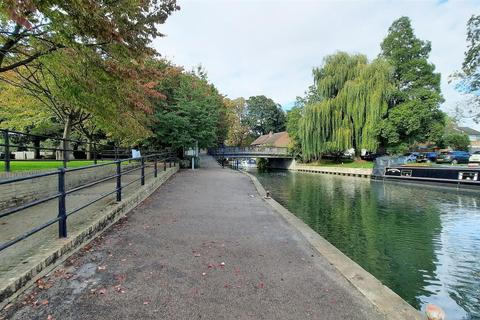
(204, 246)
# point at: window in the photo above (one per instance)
(468, 176)
(406, 173)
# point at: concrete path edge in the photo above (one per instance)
(383, 298)
(78, 240)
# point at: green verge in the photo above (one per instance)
(45, 165)
(346, 164)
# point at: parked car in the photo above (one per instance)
(475, 157)
(427, 157)
(371, 156)
(453, 157)
(412, 156)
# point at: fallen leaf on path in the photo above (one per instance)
(222, 264)
(8, 306)
(204, 273)
(261, 285)
(42, 284)
(146, 302)
(102, 267)
(49, 317)
(44, 302)
(102, 291)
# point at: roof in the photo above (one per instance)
(278, 139)
(469, 131)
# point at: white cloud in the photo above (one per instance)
(270, 47)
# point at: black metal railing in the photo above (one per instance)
(62, 192)
(257, 151)
(63, 150)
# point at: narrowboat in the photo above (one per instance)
(457, 175)
(460, 176)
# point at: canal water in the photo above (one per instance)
(422, 242)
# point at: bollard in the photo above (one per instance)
(62, 211)
(165, 165)
(268, 195)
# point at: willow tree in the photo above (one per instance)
(354, 98)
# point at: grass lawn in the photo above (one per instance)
(25, 165)
(360, 164)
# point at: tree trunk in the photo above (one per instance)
(89, 149)
(36, 145)
(65, 145)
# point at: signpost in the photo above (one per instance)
(193, 152)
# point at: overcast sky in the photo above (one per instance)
(269, 47)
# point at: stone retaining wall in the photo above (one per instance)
(356, 172)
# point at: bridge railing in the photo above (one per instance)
(235, 151)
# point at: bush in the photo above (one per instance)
(457, 141)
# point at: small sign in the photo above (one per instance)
(136, 153)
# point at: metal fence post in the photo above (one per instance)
(155, 169)
(142, 180)
(169, 162)
(164, 164)
(65, 154)
(94, 153)
(119, 181)
(6, 137)
(116, 153)
(62, 211)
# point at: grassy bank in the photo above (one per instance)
(360, 164)
(25, 165)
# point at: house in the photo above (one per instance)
(279, 140)
(474, 137)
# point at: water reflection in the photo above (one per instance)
(422, 242)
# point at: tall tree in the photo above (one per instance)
(238, 131)
(264, 115)
(414, 112)
(76, 90)
(355, 97)
(189, 113)
(469, 76)
(294, 117)
(35, 28)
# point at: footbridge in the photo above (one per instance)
(251, 152)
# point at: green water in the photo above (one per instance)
(422, 242)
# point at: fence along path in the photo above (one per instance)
(21, 256)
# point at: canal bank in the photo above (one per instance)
(354, 172)
(387, 301)
(293, 165)
(205, 245)
(421, 241)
